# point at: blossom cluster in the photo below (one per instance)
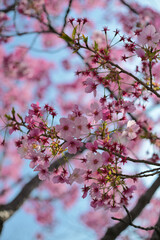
(100, 168)
(104, 129)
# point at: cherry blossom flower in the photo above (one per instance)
(96, 111)
(65, 129)
(36, 110)
(72, 144)
(81, 128)
(90, 86)
(43, 172)
(59, 179)
(105, 157)
(85, 190)
(131, 130)
(140, 53)
(95, 191)
(149, 37)
(76, 176)
(94, 161)
(128, 106)
(35, 157)
(24, 149)
(92, 146)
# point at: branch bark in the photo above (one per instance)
(116, 230)
(66, 15)
(9, 8)
(130, 7)
(156, 234)
(7, 210)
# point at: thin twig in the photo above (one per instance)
(156, 234)
(136, 78)
(131, 159)
(130, 7)
(9, 8)
(150, 73)
(137, 226)
(141, 174)
(66, 15)
(115, 230)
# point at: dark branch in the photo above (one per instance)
(114, 231)
(9, 8)
(66, 15)
(156, 234)
(18, 34)
(136, 226)
(7, 210)
(136, 78)
(130, 7)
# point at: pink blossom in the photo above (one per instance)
(70, 196)
(85, 190)
(129, 191)
(94, 161)
(91, 86)
(66, 64)
(97, 220)
(105, 157)
(43, 172)
(59, 179)
(44, 160)
(96, 111)
(92, 146)
(72, 144)
(95, 190)
(106, 114)
(131, 130)
(35, 132)
(24, 149)
(81, 128)
(36, 110)
(39, 236)
(140, 53)
(43, 211)
(76, 176)
(128, 106)
(65, 129)
(34, 159)
(149, 37)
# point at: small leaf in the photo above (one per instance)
(13, 111)
(66, 38)
(8, 117)
(95, 46)
(74, 32)
(20, 117)
(85, 39)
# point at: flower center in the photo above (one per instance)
(149, 38)
(95, 161)
(65, 128)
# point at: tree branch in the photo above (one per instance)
(115, 230)
(66, 15)
(136, 226)
(136, 78)
(130, 7)
(7, 210)
(156, 234)
(9, 8)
